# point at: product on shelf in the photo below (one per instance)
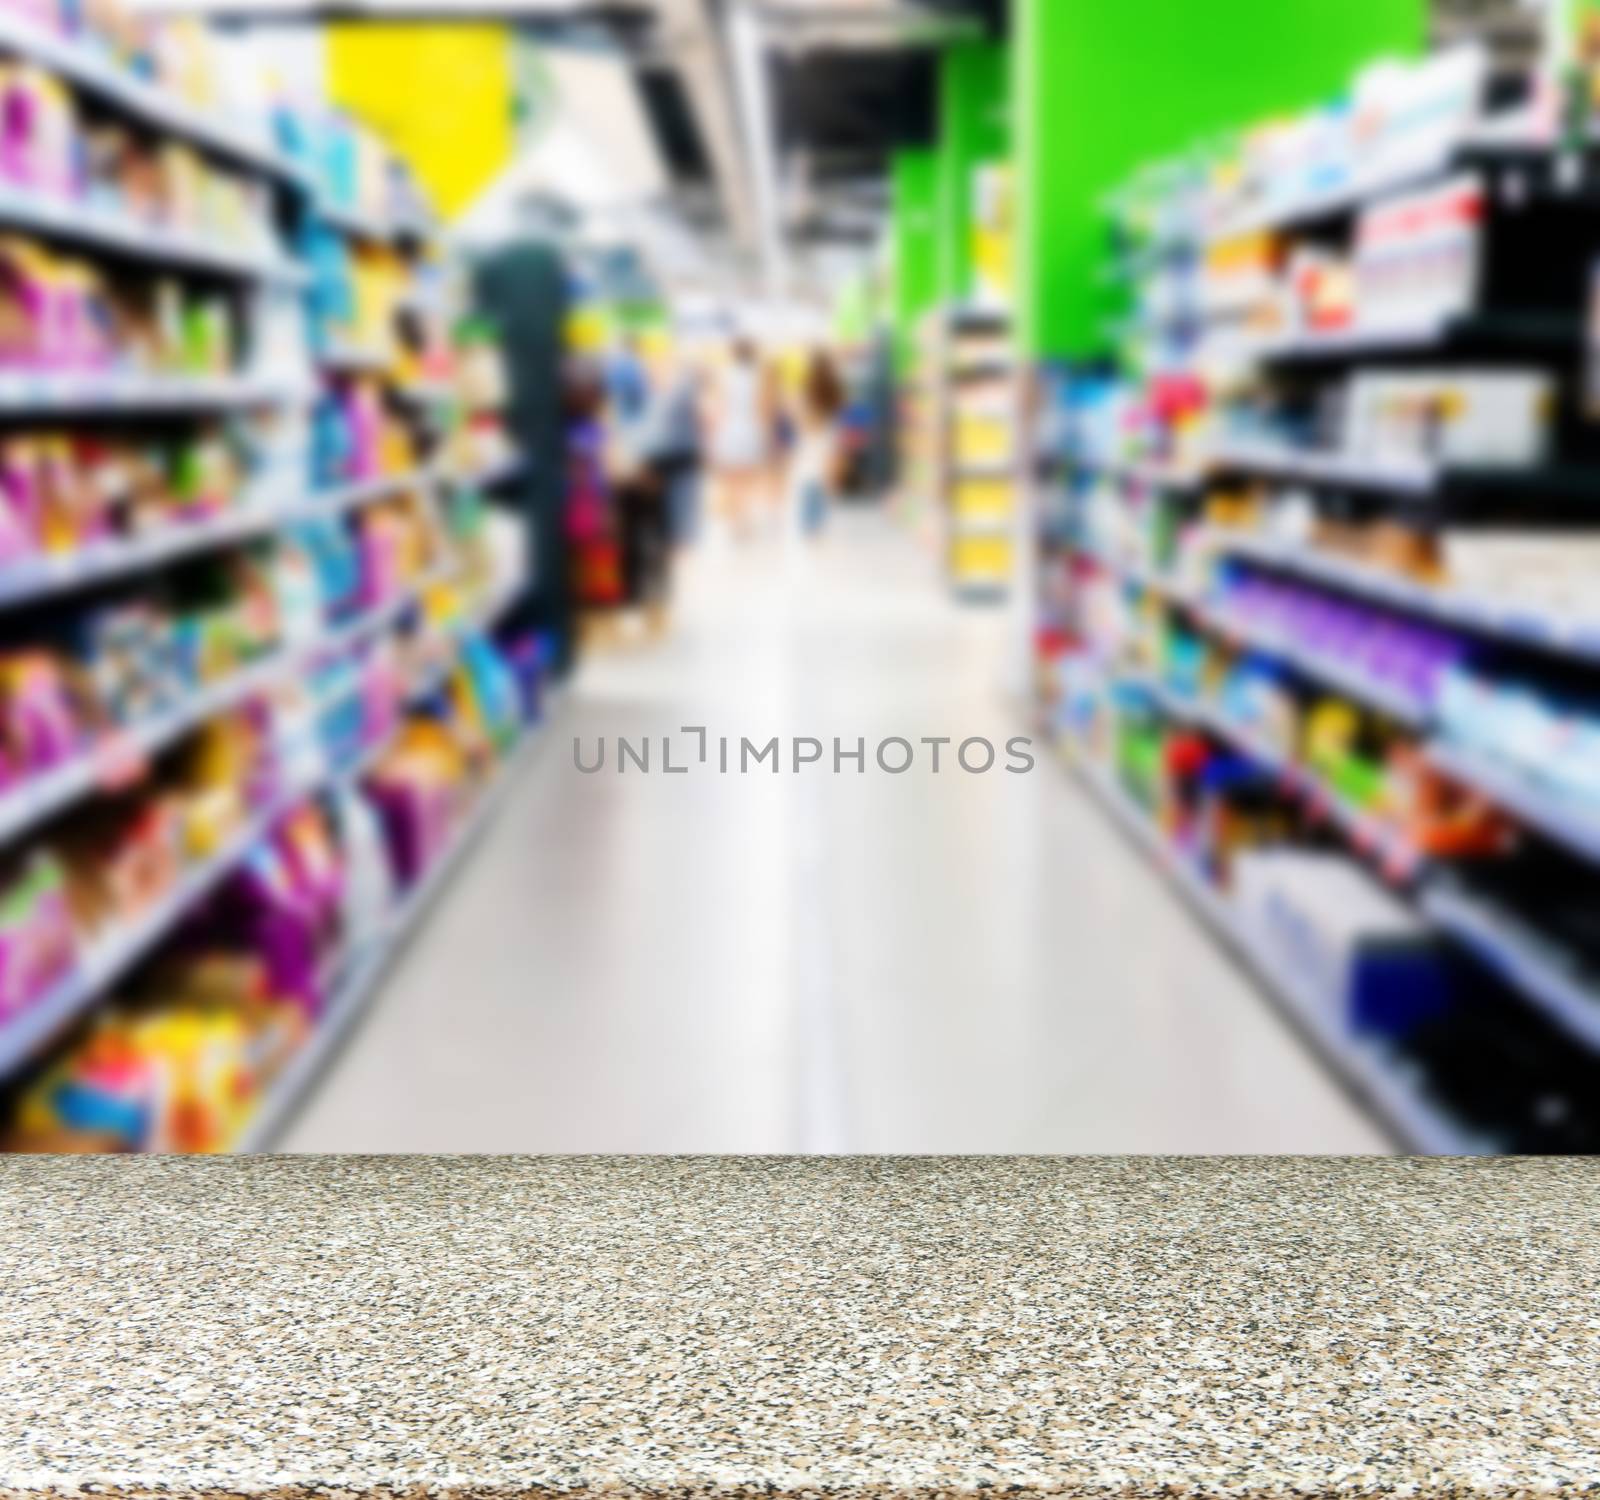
(37, 942)
(50, 148)
(63, 491)
(1499, 417)
(1549, 737)
(357, 435)
(1320, 594)
(181, 1072)
(59, 313)
(357, 176)
(1391, 650)
(1364, 957)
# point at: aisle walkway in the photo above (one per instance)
(815, 962)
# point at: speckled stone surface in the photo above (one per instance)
(716, 1327)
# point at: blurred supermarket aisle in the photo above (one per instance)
(795, 962)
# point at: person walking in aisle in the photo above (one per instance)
(671, 444)
(813, 469)
(742, 423)
(627, 383)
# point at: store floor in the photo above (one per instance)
(816, 962)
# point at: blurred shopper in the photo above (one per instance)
(743, 435)
(813, 470)
(627, 384)
(641, 502)
(593, 551)
(672, 447)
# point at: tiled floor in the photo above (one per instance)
(815, 961)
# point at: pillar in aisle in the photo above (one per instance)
(522, 288)
(914, 229)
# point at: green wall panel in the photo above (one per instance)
(1102, 86)
(974, 127)
(915, 228)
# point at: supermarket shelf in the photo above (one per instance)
(490, 475)
(1516, 792)
(355, 222)
(997, 366)
(1396, 857)
(44, 392)
(1533, 966)
(1412, 477)
(361, 979)
(426, 392)
(481, 617)
(1507, 139)
(977, 317)
(1430, 334)
(990, 526)
(44, 577)
(381, 229)
(83, 67)
(23, 1035)
(355, 359)
(1526, 625)
(1141, 575)
(1149, 472)
(1336, 673)
(1389, 1088)
(1332, 671)
(43, 795)
(84, 224)
(1308, 208)
(1402, 477)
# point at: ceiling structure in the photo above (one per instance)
(774, 121)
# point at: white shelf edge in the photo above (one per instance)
(51, 392)
(376, 228)
(84, 224)
(1409, 478)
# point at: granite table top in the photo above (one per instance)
(679, 1327)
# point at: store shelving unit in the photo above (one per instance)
(68, 395)
(975, 415)
(41, 577)
(1531, 293)
(1380, 1080)
(365, 969)
(260, 273)
(81, 64)
(98, 230)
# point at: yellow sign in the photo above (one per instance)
(440, 94)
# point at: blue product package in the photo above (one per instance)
(1395, 987)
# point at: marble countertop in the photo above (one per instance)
(678, 1327)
